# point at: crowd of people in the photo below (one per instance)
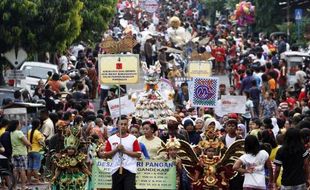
(275, 125)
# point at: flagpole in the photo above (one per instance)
(120, 128)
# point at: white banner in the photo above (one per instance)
(127, 107)
(230, 104)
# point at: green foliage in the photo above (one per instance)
(293, 27)
(267, 15)
(16, 17)
(96, 16)
(58, 24)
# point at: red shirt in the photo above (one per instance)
(219, 54)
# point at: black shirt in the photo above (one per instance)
(293, 167)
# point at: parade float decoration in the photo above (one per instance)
(156, 100)
(244, 13)
(208, 171)
(176, 32)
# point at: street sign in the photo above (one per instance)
(16, 57)
(298, 14)
(15, 75)
(150, 6)
(118, 69)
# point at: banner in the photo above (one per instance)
(150, 174)
(127, 107)
(204, 91)
(232, 104)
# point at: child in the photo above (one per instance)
(255, 127)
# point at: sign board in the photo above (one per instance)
(150, 174)
(232, 104)
(15, 75)
(204, 91)
(150, 6)
(298, 14)
(127, 107)
(199, 69)
(16, 57)
(118, 69)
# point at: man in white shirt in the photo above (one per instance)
(124, 149)
(300, 76)
(47, 125)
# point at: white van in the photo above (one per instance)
(35, 71)
(293, 59)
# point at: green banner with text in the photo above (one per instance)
(151, 174)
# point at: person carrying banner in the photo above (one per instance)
(124, 150)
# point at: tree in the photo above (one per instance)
(96, 16)
(15, 26)
(267, 15)
(38, 25)
(16, 18)
(59, 24)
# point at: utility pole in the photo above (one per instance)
(288, 20)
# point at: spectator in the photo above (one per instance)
(19, 152)
(36, 140)
(268, 106)
(254, 160)
(47, 125)
(294, 159)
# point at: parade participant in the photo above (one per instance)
(152, 142)
(254, 161)
(173, 130)
(294, 159)
(19, 152)
(135, 131)
(36, 139)
(124, 150)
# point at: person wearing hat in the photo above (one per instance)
(152, 142)
(231, 136)
(163, 61)
(173, 130)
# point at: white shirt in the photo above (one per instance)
(130, 143)
(229, 141)
(257, 178)
(248, 105)
(48, 128)
(63, 63)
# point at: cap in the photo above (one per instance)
(232, 116)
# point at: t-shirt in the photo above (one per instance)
(18, 147)
(48, 128)
(130, 143)
(2, 130)
(272, 84)
(36, 138)
(229, 141)
(248, 106)
(293, 166)
(152, 146)
(257, 178)
(269, 107)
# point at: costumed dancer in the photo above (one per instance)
(71, 170)
(171, 148)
